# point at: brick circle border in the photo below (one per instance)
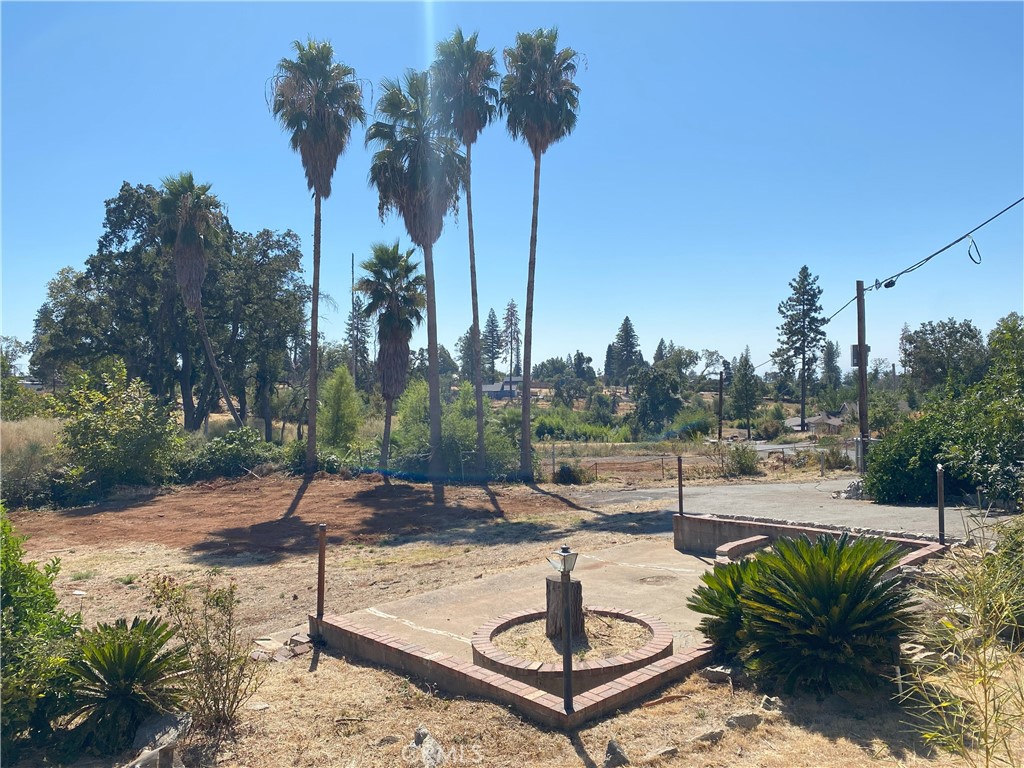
(586, 674)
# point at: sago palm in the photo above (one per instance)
(395, 297)
(189, 220)
(418, 172)
(540, 102)
(825, 615)
(316, 100)
(719, 599)
(126, 674)
(464, 78)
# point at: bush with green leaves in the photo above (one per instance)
(294, 456)
(30, 459)
(561, 423)
(411, 441)
(821, 615)
(125, 674)
(824, 615)
(234, 454)
(38, 641)
(902, 468)
(222, 673)
(116, 433)
(719, 599)
(340, 411)
(742, 460)
(689, 422)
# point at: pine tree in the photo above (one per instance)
(511, 335)
(659, 352)
(492, 344)
(610, 356)
(831, 373)
(357, 332)
(801, 332)
(744, 389)
(627, 352)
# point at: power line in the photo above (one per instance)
(890, 281)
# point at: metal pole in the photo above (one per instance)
(940, 479)
(566, 643)
(320, 571)
(679, 479)
(862, 379)
(822, 457)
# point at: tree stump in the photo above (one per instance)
(556, 610)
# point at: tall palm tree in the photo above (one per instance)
(540, 101)
(189, 222)
(396, 297)
(418, 171)
(467, 100)
(316, 100)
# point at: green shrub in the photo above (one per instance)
(901, 468)
(836, 458)
(561, 423)
(572, 474)
(743, 460)
(294, 456)
(125, 674)
(339, 416)
(719, 598)
(38, 642)
(411, 438)
(231, 455)
(116, 432)
(222, 673)
(824, 615)
(18, 402)
(690, 422)
(768, 429)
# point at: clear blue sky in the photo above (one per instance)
(720, 146)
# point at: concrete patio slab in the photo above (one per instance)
(647, 576)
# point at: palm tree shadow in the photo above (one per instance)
(493, 498)
(563, 499)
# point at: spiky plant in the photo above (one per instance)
(824, 615)
(719, 598)
(126, 674)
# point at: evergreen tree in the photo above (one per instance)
(357, 332)
(628, 356)
(512, 340)
(744, 389)
(831, 374)
(801, 332)
(610, 356)
(659, 352)
(492, 344)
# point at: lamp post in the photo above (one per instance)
(563, 561)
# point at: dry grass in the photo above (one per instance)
(603, 637)
(18, 436)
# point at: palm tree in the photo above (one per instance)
(540, 101)
(467, 101)
(395, 297)
(316, 100)
(189, 222)
(418, 171)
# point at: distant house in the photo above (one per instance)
(820, 424)
(507, 389)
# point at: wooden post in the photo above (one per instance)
(556, 607)
(862, 380)
(321, 571)
(721, 388)
(679, 481)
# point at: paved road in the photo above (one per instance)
(807, 502)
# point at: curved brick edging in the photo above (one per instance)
(586, 674)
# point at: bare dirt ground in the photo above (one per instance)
(392, 540)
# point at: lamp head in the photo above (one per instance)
(564, 560)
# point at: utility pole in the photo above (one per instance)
(862, 379)
(721, 389)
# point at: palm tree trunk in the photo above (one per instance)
(478, 384)
(314, 351)
(385, 443)
(525, 448)
(208, 348)
(435, 469)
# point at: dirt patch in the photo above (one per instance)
(603, 637)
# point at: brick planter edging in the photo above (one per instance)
(468, 679)
(585, 674)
